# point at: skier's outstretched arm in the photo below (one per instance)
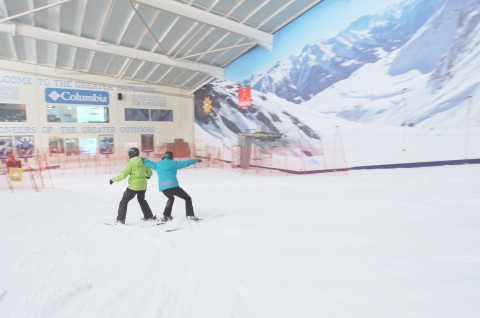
(149, 163)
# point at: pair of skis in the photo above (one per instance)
(150, 224)
(161, 223)
(145, 225)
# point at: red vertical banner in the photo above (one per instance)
(244, 97)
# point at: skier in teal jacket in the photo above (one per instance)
(138, 174)
(168, 183)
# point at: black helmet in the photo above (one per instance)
(168, 155)
(133, 152)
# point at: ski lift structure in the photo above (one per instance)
(245, 142)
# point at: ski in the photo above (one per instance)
(153, 224)
(144, 225)
(161, 223)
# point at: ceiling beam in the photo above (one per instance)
(262, 38)
(207, 81)
(33, 11)
(93, 45)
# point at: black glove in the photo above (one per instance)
(111, 182)
(199, 160)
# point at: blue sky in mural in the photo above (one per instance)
(328, 17)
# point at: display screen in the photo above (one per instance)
(77, 114)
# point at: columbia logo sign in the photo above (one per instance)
(76, 96)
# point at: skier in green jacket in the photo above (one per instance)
(138, 174)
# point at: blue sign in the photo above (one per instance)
(76, 96)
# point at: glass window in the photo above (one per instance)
(136, 114)
(161, 114)
(13, 113)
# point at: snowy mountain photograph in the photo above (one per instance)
(400, 73)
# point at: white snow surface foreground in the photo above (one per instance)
(380, 243)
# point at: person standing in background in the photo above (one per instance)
(11, 162)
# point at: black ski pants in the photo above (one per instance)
(179, 192)
(128, 195)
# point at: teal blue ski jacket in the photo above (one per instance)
(167, 171)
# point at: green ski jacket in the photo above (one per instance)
(138, 173)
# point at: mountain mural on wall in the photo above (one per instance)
(328, 61)
(411, 64)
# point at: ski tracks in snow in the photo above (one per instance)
(192, 271)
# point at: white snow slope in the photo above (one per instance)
(384, 243)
